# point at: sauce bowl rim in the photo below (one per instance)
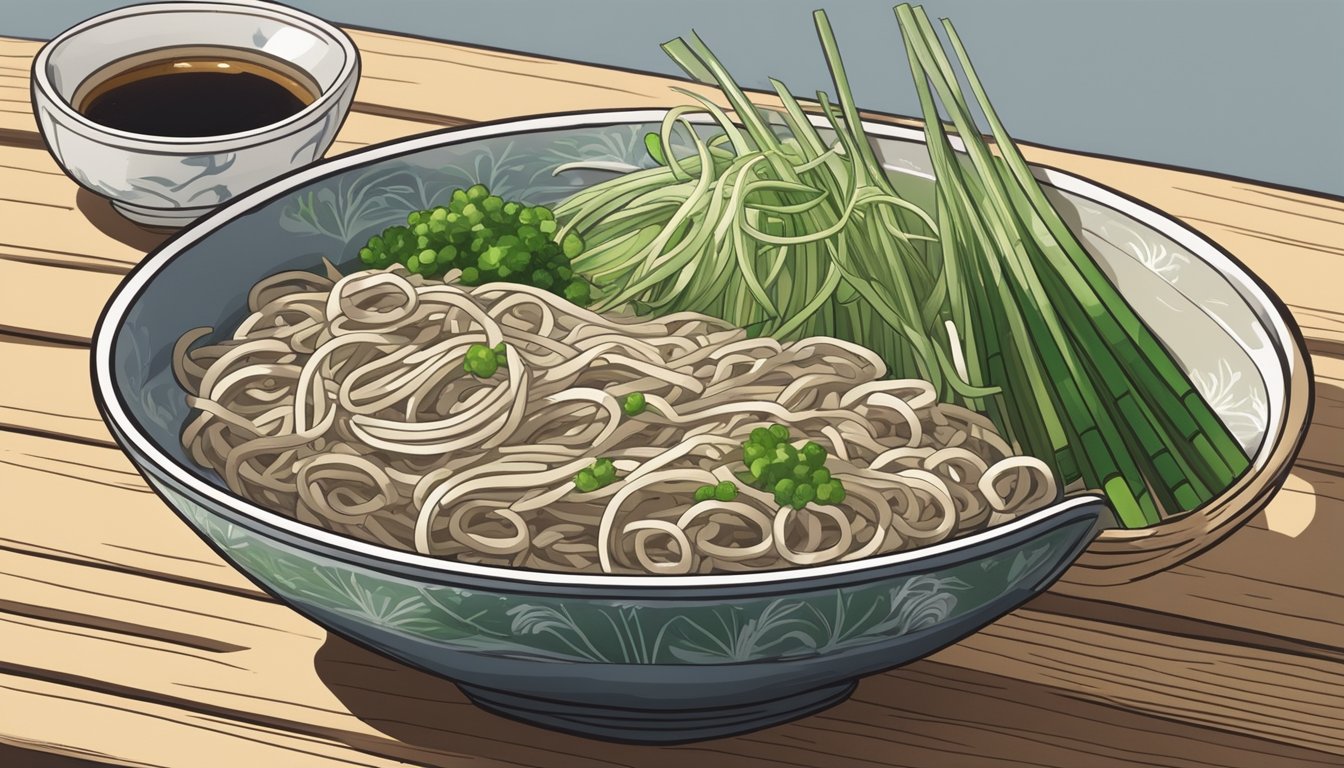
(224, 142)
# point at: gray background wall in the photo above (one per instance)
(1252, 88)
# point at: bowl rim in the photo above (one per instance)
(326, 100)
(129, 433)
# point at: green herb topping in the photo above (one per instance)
(633, 404)
(489, 239)
(599, 475)
(724, 491)
(482, 361)
(797, 477)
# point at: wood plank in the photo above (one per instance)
(87, 504)
(61, 391)
(49, 390)
(57, 303)
(65, 720)
(96, 238)
(369, 125)
(92, 235)
(271, 668)
(398, 69)
(1278, 574)
(1216, 684)
(1051, 730)
(33, 758)
(1324, 446)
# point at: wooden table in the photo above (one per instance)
(124, 640)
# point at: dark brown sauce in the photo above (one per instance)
(193, 95)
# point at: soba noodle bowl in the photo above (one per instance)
(343, 402)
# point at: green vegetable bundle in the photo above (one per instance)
(767, 223)
(1086, 383)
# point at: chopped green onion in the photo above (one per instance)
(482, 361)
(725, 491)
(599, 474)
(488, 239)
(633, 404)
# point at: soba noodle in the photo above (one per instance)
(343, 402)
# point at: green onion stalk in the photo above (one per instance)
(1140, 430)
(758, 217)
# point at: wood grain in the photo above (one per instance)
(47, 390)
(34, 758)
(43, 717)
(115, 617)
(58, 304)
(87, 505)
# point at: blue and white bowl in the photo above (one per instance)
(169, 181)
(634, 658)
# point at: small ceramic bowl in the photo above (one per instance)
(169, 181)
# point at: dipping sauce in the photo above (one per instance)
(194, 92)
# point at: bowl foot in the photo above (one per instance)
(167, 218)
(657, 726)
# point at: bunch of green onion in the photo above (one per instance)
(770, 225)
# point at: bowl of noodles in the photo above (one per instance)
(322, 427)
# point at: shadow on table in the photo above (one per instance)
(928, 713)
(102, 215)
(435, 723)
(25, 758)
(1325, 435)
(432, 719)
(1310, 497)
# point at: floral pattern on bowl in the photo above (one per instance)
(634, 631)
